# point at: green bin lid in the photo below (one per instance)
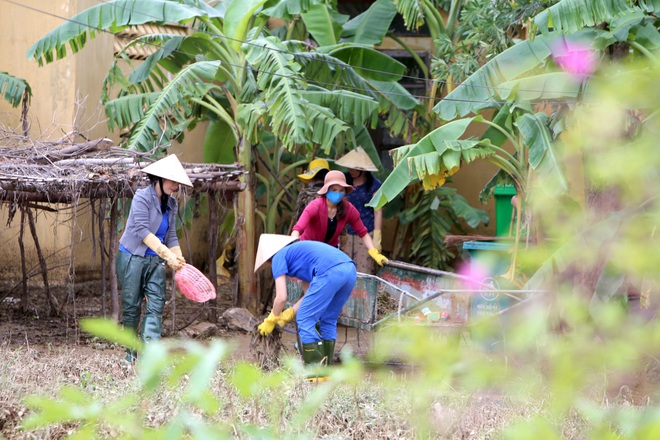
(505, 190)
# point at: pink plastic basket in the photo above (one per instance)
(193, 284)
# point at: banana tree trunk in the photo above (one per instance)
(245, 220)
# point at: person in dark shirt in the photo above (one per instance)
(360, 168)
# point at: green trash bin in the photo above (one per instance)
(493, 260)
(503, 209)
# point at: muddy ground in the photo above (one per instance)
(181, 319)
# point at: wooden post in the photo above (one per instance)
(112, 248)
(246, 224)
(104, 291)
(52, 301)
(21, 245)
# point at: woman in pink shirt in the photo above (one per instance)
(325, 218)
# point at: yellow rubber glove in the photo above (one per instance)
(286, 316)
(266, 327)
(377, 240)
(163, 251)
(380, 258)
(176, 250)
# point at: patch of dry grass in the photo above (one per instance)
(382, 405)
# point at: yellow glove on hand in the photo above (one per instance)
(176, 250)
(286, 316)
(266, 327)
(163, 251)
(377, 240)
(380, 258)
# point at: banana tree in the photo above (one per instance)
(228, 68)
(516, 83)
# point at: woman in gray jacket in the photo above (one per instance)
(148, 243)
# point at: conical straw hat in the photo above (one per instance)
(357, 159)
(269, 245)
(169, 168)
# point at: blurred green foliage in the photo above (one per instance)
(568, 367)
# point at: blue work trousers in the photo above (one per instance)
(323, 301)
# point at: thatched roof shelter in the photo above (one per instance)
(94, 169)
(35, 175)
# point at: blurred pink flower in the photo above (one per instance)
(473, 273)
(575, 58)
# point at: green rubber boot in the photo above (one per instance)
(314, 358)
(329, 350)
(131, 355)
(313, 354)
(151, 328)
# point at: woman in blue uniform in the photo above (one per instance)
(331, 276)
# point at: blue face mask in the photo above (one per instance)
(334, 196)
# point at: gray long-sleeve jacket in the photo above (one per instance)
(144, 218)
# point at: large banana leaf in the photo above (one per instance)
(219, 143)
(113, 16)
(371, 26)
(431, 215)
(237, 20)
(353, 108)
(13, 88)
(412, 13)
(395, 102)
(278, 77)
(370, 63)
(325, 126)
(462, 209)
(294, 119)
(174, 104)
(127, 110)
(620, 28)
(437, 151)
(542, 156)
(285, 9)
(324, 24)
(393, 94)
(543, 87)
(325, 69)
(479, 91)
(170, 45)
(648, 36)
(116, 75)
(573, 15)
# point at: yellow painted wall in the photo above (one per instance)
(57, 88)
(53, 113)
